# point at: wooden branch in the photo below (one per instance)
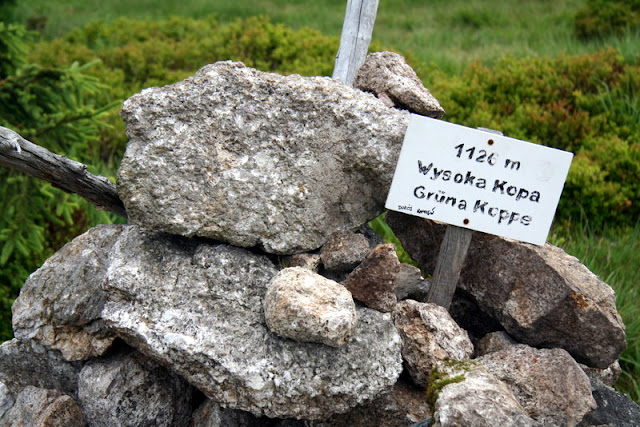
(66, 174)
(356, 36)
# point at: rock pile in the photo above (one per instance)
(242, 297)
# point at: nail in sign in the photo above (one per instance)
(478, 180)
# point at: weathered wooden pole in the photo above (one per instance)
(357, 29)
(453, 251)
(356, 36)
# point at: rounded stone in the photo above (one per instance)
(307, 307)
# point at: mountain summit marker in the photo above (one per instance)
(478, 180)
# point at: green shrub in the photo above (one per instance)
(585, 104)
(6, 9)
(604, 17)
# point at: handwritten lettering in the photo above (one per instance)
(427, 212)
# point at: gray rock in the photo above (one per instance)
(6, 400)
(374, 280)
(39, 407)
(548, 383)
(370, 234)
(429, 335)
(410, 284)
(197, 307)
(289, 422)
(24, 363)
(59, 305)
(494, 341)
(304, 260)
(608, 376)
(306, 307)
(128, 389)
(540, 295)
(614, 409)
(387, 75)
(258, 159)
(402, 406)
(472, 396)
(471, 318)
(209, 414)
(343, 251)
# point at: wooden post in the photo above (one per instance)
(356, 36)
(453, 252)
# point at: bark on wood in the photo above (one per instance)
(66, 174)
(356, 36)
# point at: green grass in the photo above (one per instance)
(448, 35)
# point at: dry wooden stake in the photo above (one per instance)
(356, 36)
(453, 252)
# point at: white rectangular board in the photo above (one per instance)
(478, 180)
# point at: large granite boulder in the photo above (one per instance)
(548, 383)
(258, 159)
(128, 389)
(541, 296)
(198, 308)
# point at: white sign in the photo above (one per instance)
(478, 180)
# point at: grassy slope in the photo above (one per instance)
(448, 34)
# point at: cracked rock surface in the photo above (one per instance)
(197, 307)
(257, 159)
